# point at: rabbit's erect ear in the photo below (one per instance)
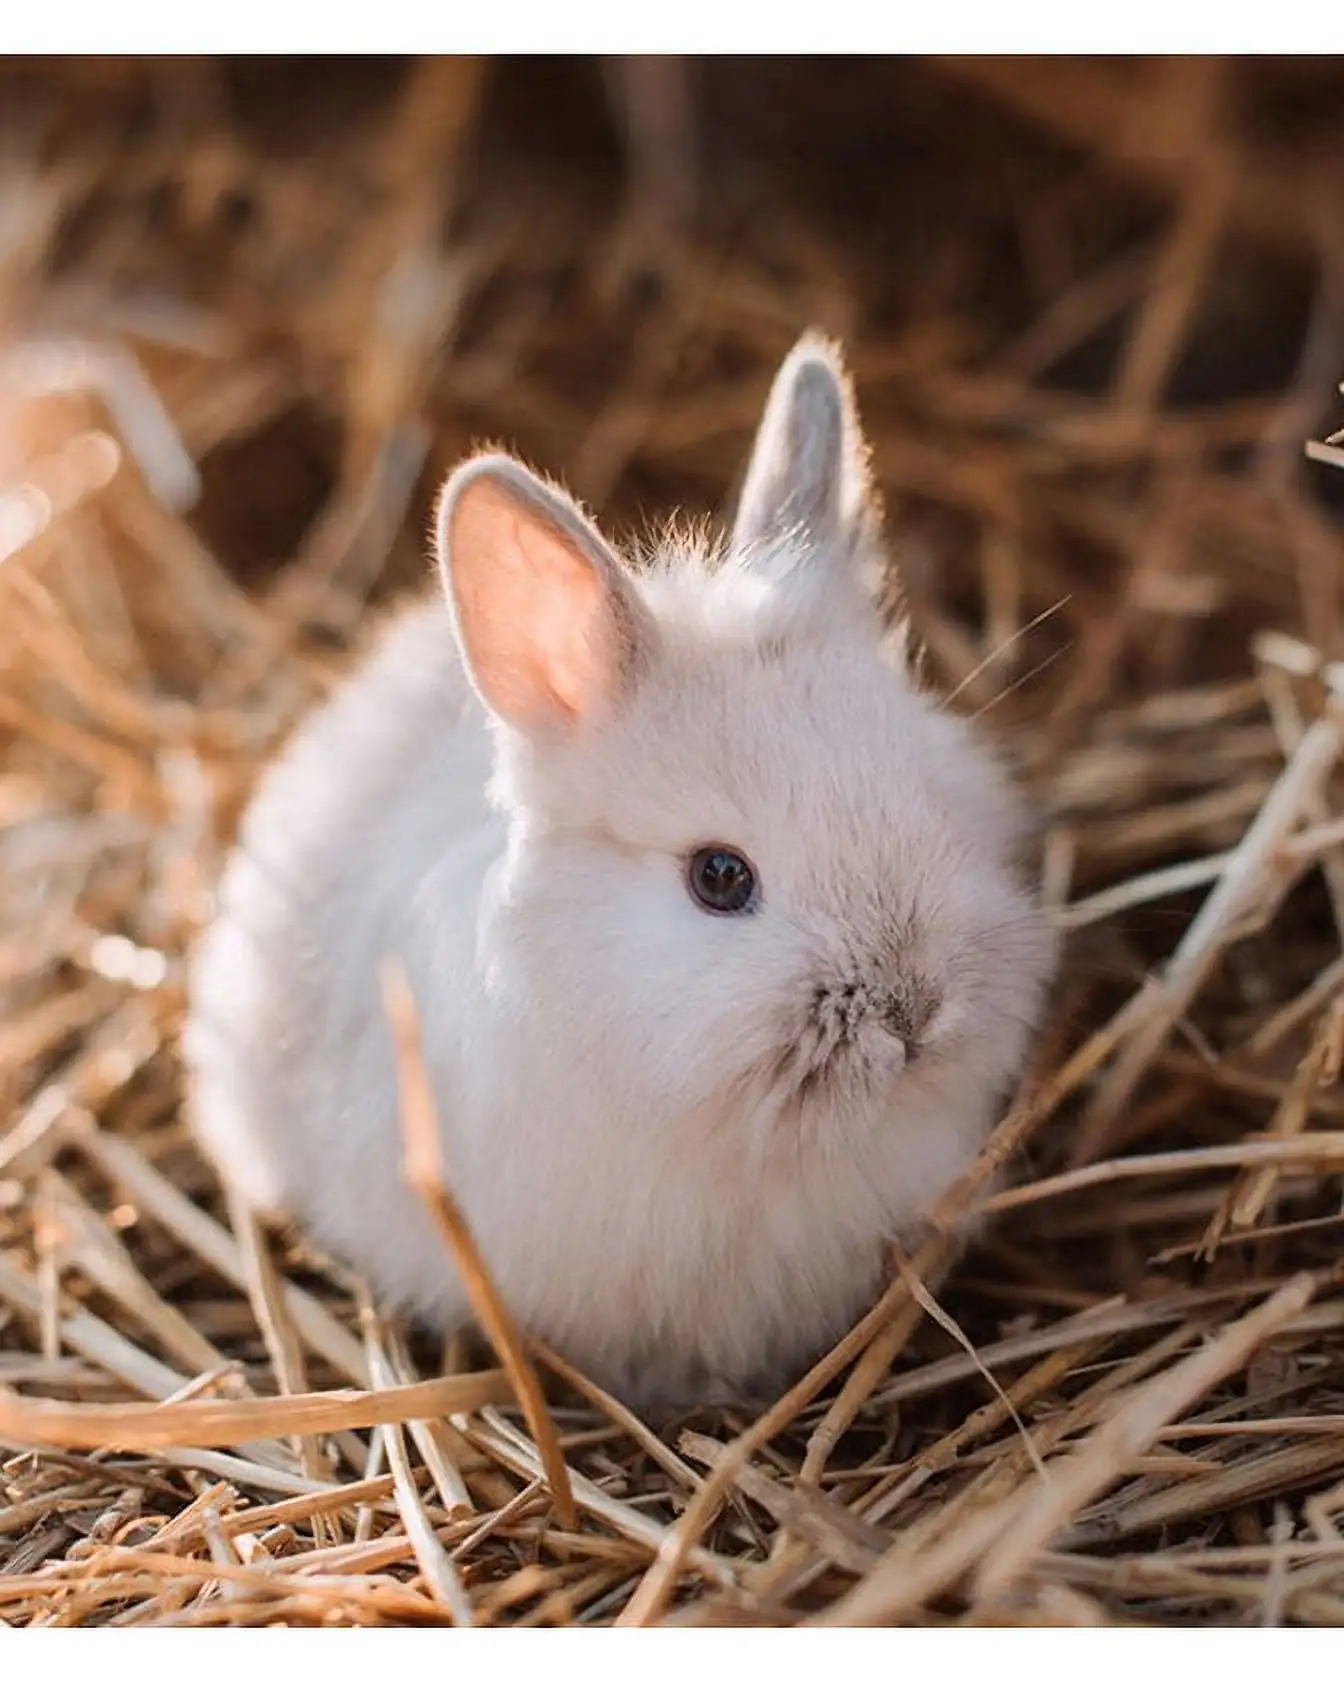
(549, 627)
(809, 464)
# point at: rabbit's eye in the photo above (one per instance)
(721, 880)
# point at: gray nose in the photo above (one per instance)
(907, 1015)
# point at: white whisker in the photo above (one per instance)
(1026, 678)
(1007, 644)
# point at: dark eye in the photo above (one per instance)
(721, 880)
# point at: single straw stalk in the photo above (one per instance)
(424, 1171)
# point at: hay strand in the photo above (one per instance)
(424, 1171)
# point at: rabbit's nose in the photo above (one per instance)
(907, 1015)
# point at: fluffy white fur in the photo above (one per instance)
(682, 1139)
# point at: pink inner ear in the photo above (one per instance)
(532, 608)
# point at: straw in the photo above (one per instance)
(249, 318)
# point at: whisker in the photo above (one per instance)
(1026, 678)
(1007, 644)
(1029, 919)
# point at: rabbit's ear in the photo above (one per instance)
(549, 627)
(809, 465)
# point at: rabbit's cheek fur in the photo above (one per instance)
(754, 1028)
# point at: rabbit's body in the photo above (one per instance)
(683, 1138)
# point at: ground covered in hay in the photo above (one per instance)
(249, 314)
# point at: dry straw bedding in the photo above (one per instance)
(233, 372)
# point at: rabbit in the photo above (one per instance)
(721, 945)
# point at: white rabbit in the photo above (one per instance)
(720, 950)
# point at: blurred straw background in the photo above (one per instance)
(250, 313)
